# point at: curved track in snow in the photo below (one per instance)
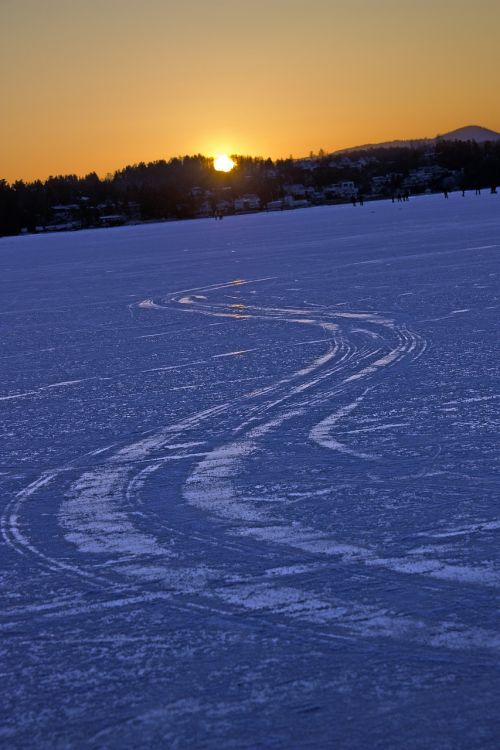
(121, 543)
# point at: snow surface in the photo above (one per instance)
(249, 496)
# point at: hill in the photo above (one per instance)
(471, 133)
(467, 133)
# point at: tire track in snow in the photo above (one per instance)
(94, 525)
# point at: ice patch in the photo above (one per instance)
(233, 354)
(149, 304)
(93, 521)
(321, 433)
(190, 299)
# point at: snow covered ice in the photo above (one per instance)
(248, 481)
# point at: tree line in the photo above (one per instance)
(180, 187)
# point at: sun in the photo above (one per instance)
(223, 163)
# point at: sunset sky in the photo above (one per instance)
(99, 84)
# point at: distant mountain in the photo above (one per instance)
(388, 144)
(471, 133)
(468, 133)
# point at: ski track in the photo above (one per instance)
(99, 512)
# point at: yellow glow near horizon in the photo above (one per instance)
(223, 163)
(147, 82)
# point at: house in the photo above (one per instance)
(296, 191)
(315, 196)
(65, 217)
(386, 183)
(424, 176)
(112, 220)
(380, 182)
(224, 207)
(275, 205)
(65, 212)
(346, 189)
(289, 201)
(249, 202)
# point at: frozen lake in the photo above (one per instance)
(249, 491)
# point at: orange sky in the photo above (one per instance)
(98, 84)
